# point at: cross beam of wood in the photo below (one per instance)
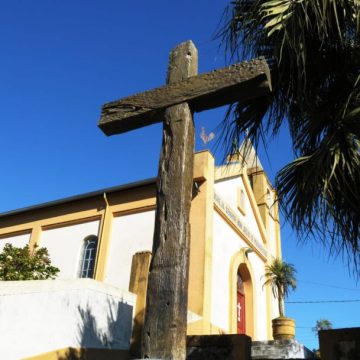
(238, 82)
(164, 332)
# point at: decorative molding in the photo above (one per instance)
(239, 224)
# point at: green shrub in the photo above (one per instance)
(23, 264)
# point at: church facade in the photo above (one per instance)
(235, 233)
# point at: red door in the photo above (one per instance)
(240, 306)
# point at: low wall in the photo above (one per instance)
(45, 315)
(280, 349)
(340, 344)
(219, 347)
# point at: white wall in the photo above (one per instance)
(227, 243)
(227, 189)
(17, 241)
(65, 246)
(258, 268)
(130, 234)
(47, 315)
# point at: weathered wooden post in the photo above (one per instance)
(164, 336)
(164, 333)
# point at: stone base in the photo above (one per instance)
(280, 349)
(218, 347)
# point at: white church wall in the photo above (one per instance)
(258, 268)
(16, 240)
(130, 234)
(227, 243)
(48, 315)
(228, 190)
(65, 246)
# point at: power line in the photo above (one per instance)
(328, 285)
(322, 301)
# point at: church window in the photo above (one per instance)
(241, 201)
(88, 257)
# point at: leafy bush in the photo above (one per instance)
(23, 264)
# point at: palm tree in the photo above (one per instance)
(322, 324)
(281, 277)
(313, 50)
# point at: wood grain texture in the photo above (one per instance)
(238, 82)
(164, 334)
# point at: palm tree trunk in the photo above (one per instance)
(281, 301)
(281, 306)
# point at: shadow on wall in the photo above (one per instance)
(109, 339)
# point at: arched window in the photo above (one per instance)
(88, 257)
(241, 201)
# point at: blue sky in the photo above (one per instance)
(61, 60)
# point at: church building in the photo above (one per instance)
(107, 235)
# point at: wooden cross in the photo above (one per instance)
(164, 332)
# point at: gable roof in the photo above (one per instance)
(246, 156)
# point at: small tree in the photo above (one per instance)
(281, 277)
(322, 324)
(23, 264)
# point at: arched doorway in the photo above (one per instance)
(240, 306)
(242, 301)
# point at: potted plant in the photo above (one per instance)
(281, 277)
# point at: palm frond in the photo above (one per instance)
(320, 192)
(313, 51)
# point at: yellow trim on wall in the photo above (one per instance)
(227, 171)
(137, 210)
(15, 225)
(198, 327)
(79, 211)
(200, 262)
(104, 242)
(71, 222)
(277, 232)
(139, 278)
(16, 233)
(35, 237)
(254, 206)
